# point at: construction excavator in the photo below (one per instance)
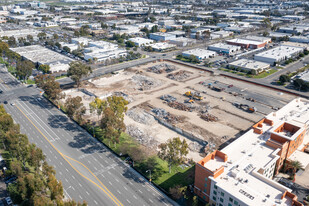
(194, 95)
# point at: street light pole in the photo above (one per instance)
(149, 175)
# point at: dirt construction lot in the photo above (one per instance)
(218, 112)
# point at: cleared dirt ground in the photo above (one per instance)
(142, 87)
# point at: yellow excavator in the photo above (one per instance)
(195, 95)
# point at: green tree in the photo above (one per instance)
(97, 106)
(12, 41)
(130, 44)
(77, 71)
(112, 123)
(24, 69)
(284, 78)
(49, 85)
(173, 151)
(55, 36)
(300, 84)
(42, 35)
(75, 107)
(66, 49)
(44, 68)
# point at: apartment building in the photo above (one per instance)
(241, 173)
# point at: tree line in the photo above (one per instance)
(36, 183)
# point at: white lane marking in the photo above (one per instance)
(87, 193)
(95, 202)
(80, 197)
(66, 169)
(61, 163)
(116, 179)
(118, 191)
(80, 185)
(60, 173)
(110, 183)
(109, 172)
(95, 168)
(150, 200)
(128, 201)
(125, 188)
(140, 191)
(134, 196)
(66, 180)
(73, 177)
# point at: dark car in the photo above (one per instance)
(31, 85)
(12, 179)
(5, 102)
(1, 91)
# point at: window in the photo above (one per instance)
(230, 204)
(231, 199)
(214, 198)
(215, 187)
(220, 204)
(205, 190)
(206, 179)
(204, 197)
(215, 192)
(221, 199)
(235, 202)
(205, 185)
(222, 194)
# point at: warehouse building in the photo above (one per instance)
(246, 65)
(246, 43)
(163, 46)
(183, 41)
(220, 34)
(266, 40)
(278, 54)
(160, 36)
(140, 42)
(299, 39)
(241, 173)
(41, 55)
(199, 53)
(303, 76)
(224, 48)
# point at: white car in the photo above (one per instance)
(12, 103)
(8, 201)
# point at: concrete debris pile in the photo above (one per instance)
(159, 69)
(124, 95)
(209, 117)
(164, 115)
(140, 116)
(196, 147)
(145, 83)
(168, 98)
(179, 106)
(179, 76)
(143, 137)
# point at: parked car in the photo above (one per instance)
(8, 201)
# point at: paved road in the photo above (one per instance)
(87, 169)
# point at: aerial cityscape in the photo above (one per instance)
(155, 102)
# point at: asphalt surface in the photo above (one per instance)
(87, 169)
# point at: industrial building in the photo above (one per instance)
(255, 67)
(299, 39)
(20, 33)
(163, 46)
(140, 42)
(220, 34)
(278, 54)
(160, 36)
(303, 76)
(241, 173)
(183, 41)
(41, 55)
(224, 48)
(266, 40)
(246, 43)
(199, 53)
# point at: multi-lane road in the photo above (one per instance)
(87, 170)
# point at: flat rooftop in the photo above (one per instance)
(249, 64)
(280, 52)
(224, 46)
(245, 41)
(241, 176)
(200, 52)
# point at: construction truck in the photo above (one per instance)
(191, 101)
(245, 107)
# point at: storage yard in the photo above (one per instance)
(168, 100)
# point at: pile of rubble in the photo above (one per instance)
(140, 116)
(124, 95)
(158, 69)
(179, 76)
(196, 147)
(179, 106)
(145, 83)
(168, 98)
(168, 117)
(143, 137)
(209, 117)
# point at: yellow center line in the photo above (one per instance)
(106, 191)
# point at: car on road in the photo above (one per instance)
(8, 201)
(12, 103)
(39, 99)
(31, 85)
(5, 102)
(1, 91)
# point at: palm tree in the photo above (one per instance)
(296, 165)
